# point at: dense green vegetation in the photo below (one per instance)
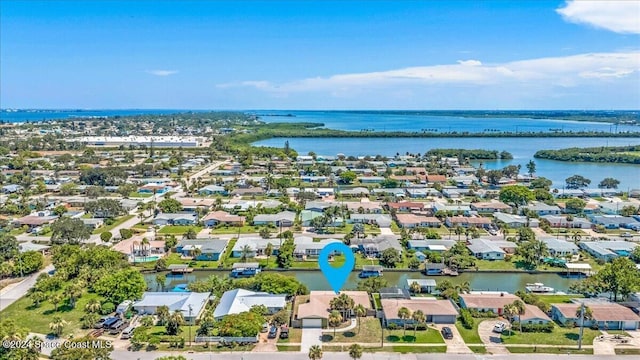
(612, 154)
(474, 154)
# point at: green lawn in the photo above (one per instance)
(559, 336)
(178, 229)
(478, 349)
(184, 331)
(246, 229)
(174, 258)
(548, 350)
(295, 336)
(288, 347)
(470, 336)
(429, 336)
(369, 333)
(419, 349)
(557, 299)
(137, 195)
(376, 301)
(118, 221)
(38, 319)
(627, 351)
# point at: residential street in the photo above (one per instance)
(13, 292)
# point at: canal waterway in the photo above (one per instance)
(314, 280)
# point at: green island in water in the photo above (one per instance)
(603, 154)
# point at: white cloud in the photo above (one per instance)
(162, 72)
(565, 71)
(618, 16)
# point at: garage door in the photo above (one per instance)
(311, 323)
(630, 325)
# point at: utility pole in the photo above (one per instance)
(191, 320)
(581, 326)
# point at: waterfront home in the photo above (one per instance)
(541, 208)
(487, 301)
(426, 285)
(436, 311)
(364, 207)
(430, 245)
(202, 249)
(606, 315)
(306, 246)
(245, 269)
(607, 250)
(485, 249)
(255, 246)
(283, 218)
(409, 221)
(468, 222)
(315, 312)
(355, 192)
(614, 221)
(516, 221)
(190, 304)
(382, 220)
(212, 190)
(557, 221)
(373, 247)
(406, 206)
(490, 207)
(370, 271)
(182, 218)
(560, 248)
(239, 300)
(394, 292)
(222, 217)
(533, 315)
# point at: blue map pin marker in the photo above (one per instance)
(336, 276)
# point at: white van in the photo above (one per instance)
(128, 332)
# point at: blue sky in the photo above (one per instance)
(320, 54)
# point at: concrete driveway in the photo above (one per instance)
(310, 337)
(265, 344)
(457, 344)
(491, 340)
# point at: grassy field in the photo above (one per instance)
(548, 350)
(178, 229)
(369, 333)
(470, 336)
(559, 336)
(478, 349)
(419, 349)
(429, 336)
(38, 319)
(119, 221)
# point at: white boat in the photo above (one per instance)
(538, 288)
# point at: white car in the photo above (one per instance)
(499, 327)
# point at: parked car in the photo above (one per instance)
(626, 235)
(273, 333)
(100, 323)
(117, 327)
(447, 333)
(128, 332)
(499, 327)
(265, 327)
(109, 322)
(284, 332)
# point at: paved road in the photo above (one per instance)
(310, 337)
(204, 171)
(14, 292)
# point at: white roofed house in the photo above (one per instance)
(239, 300)
(306, 246)
(516, 221)
(190, 304)
(559, 247)
(485, 249)
(541, 208)
(255, 245)
(283, 218)
(186, 218)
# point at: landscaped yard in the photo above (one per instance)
(548, 350)
(559, 336)
(295, 336)
(470, 336)
(178, 229)
(419, 349)
(117, 222)
(246, 229)
(478, 349)
(288, 347)
(38, 319)
(369, 332)
(429, 336)
(557, 299)
(162, 331)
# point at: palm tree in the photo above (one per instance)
(161, 280)
(57, 325)
(268, 251)
(37, 297)
(335, 319)
(463, 288)
(246, 250)
(343, 303)
(355, 351)
(418, 317)
(404, 314)
(458, 230)
(145, 248)
(93, 306)
(588, 314)
(146, 320)
(509, 311)
(415, 287)
(520, 310)
(73, 292)
(56, 299)
(315, 352)
(360, 313)
(173, 324)
(162, 312)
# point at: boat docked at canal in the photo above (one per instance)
(245, 270)
(539, 288)
(370, 271)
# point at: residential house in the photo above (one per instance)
(370, 179)
(222, 217)
(606, 315)
(315, 312)
(485, 249)
(541, 208)
(33, 221)
(615, 207)
(283, 218)
(560, 248)
(355, 192)
(93, 223)
(190, 304)
(409, 221)
(487, 301)
(468, 222)
(240, 300)
(195, 204)
(614, 221)
(382, 220)
(255, 246)
(306, 246)
(607, 250)
(557, 221)
(436, 311)
(490, 207)
(319, 206)
(431, 245)
(426, 285)
(212, 190)
(459, 209)
(183, 218)
(373, 247)
(250, 191)
(364, 207)
(11, 189)
(516, 221)
(202, 249)
(406, 206)
(533, 316)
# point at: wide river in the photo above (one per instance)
(509, 282)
